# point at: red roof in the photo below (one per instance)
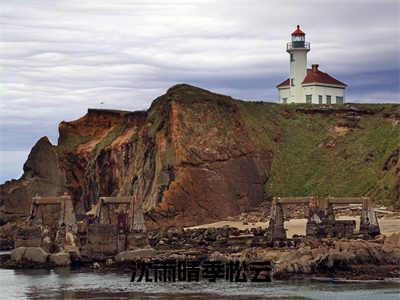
(284, 83)
(316, 76)
(298, 31)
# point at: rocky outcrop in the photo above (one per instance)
(341, 256)
(196, 156)
(43, 175)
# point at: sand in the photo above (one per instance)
(388, 225)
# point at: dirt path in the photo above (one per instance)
(388, 225)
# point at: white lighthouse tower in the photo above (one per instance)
(297, 50)
(304, 85)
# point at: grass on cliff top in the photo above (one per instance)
(302, 163)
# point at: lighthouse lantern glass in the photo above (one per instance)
(298, 38)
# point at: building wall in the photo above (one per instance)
(298, 70)
(317, 90)
(284, 93)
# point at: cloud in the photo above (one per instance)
(58, 58)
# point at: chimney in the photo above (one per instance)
(315, 68)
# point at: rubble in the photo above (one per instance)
(340, 256)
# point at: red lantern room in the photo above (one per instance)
(298, 39)
(298, 35)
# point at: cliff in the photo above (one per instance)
(195, 156)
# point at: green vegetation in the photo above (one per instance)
(310, 153)
(310, 158)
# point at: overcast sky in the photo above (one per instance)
(57, 58)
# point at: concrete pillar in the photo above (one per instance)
(368, 221)
(276, 228)
(313, 222)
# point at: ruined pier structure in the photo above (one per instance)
(321, 221)
(115, 224)
(51, 224)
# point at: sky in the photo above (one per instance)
(58, 58)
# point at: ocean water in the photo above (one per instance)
(73, 284)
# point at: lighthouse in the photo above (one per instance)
(304, 85)
(297, 50)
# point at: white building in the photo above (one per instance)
(308, 85)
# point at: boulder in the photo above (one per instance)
(60, 259)
(134, 255)
(36, 255)
(18, 253)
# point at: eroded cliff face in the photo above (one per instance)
(187, 164)
(196, 157)
(206, 165)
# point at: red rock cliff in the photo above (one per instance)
(196, 156)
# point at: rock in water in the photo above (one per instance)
(35, 255)
(60, 259)
(29, 255)
(18, 253)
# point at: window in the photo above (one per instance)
(292, 82)
(339, 100)
(308, 99)
(328, 99)
(320, 99)
(291, 57)
(284, 100)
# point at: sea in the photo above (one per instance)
(65, 283)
